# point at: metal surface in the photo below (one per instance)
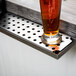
(31, 32)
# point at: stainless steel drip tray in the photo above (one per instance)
(30, 33)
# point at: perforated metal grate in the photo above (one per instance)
(32, 32)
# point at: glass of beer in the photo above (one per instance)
(50, 12)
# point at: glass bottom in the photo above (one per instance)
(51, 40)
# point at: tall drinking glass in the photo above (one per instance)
(50, 12)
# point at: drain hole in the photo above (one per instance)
(46, 45)
(23, 24)
(53, 48)
(34, 33)
(27, 21)
(22, 19)
(61, 35)
(40, 42)
(34, 40)
(29, 37)
(40, 36)
(23, 29)
(62, 41)
(8, 18)
(18, 17)
(70, 38)
(23, 34)
(67, 37)
(13, 30)
(33, 28)
(58, 44)
(27, 26)
(37, 25)
(18, 22)
(18, 32)
(13, 20)
(8, 22)
(38, 31)
(8, 27)
(32, 23)
(13, 24)
(56, 51)
(4, 25)
(13, 15)
(18, 27)
(28, 31)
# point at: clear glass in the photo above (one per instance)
(50, 12)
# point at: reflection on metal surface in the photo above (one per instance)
(32, 32)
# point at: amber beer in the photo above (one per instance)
(50, 11)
